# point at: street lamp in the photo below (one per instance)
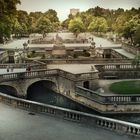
(25, 49)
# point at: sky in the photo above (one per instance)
(63, 6)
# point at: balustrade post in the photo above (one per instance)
(129, 129)
(109, 125)
(138, 132)
(102, 123)
(97, 122)
(133, 131)
(114, 126)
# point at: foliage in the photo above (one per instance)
(7, 13)
(76, 26)
(122, 22)
(44, 25)
(99, 24)
(137, 36)
(136, 61)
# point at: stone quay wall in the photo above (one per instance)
(71, 115)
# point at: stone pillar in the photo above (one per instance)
(11, 56)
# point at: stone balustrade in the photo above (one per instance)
(71, 115)
(24, 65)
(117, 67)
(95, 96)
(83, 60)
(28, 74)
(50, 72)
(118, 71)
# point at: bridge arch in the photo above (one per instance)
(8, 89)
(44, 84)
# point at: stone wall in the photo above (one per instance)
(66, 86)
(71, 115)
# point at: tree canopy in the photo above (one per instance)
(76, 26)
(7, 13)
(124, 23)
(98, 24)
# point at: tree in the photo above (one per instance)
(32, 21)
(65, 23)
(86, 18)
(137, 36)
(44, 25)
(76, 26)
(99, 24)
(130, 28)
(136, 61)
(21, 24)
(126, 23)
(7, 13)
(52, 16)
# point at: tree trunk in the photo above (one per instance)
(1, 40)
(131, 39)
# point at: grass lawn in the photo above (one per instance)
(126, 87)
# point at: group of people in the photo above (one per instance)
(9, 68)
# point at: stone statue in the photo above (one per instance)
(58, 40)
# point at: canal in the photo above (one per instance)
(38, 92)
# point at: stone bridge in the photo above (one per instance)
(58, 80)
(78, 87)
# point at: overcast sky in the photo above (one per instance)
(63, 6)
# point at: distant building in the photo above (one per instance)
(74, 11)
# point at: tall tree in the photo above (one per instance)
(137, 36)
(44, 25)
(99, 24)
(21, 24)
(7, 13)
(76, 26)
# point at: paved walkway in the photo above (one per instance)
(14, 44)
(73, 68)
(16, 124)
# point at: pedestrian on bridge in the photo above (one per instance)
(28, 68)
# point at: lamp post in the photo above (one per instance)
(24, 50)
